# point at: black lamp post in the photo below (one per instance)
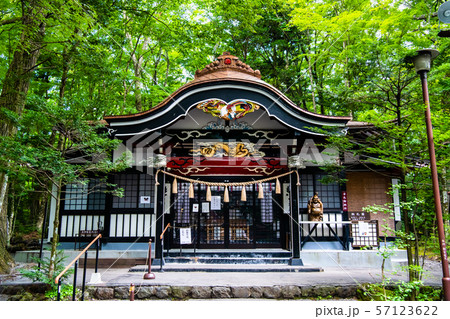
(422, 63)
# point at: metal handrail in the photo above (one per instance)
(162, 234)
(76, 258)
(162, 247)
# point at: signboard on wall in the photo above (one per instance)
(344, 202)
(145, 199)
(396, 198)
(359, 216)
(364, 233)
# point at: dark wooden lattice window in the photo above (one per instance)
(266, 203)
(182, 204)
(135, 186)
(328, 192)
(85, 196)
(97, 196)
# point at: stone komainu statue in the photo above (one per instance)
(315, 209)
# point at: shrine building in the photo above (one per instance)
(228, 162)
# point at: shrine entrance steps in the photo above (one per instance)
(234, 260)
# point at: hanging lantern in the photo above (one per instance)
(260, 191)
(208, 194)
(175, 186)
(277, 187)
(191, 190)
(243, 194)
(226, 198)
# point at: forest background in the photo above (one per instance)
(65, 64)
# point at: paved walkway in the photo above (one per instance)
(329, 276)
(340, 283)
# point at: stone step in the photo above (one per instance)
(224, 254)
(225, 260)
(231, 256)
(227, 268)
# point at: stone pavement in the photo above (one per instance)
(338, 282)
(331, 282)
(329, 276)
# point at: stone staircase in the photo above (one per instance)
(228, 257)
(228, 261)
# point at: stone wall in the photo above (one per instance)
(223, 292)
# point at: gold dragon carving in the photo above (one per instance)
(239, 149)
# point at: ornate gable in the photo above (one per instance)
(227, 62)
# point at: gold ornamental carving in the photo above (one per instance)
(231, 149)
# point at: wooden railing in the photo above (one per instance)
(75, 261)
(307, 229)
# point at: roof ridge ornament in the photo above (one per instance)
(230, 62)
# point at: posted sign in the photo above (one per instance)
(185, 236)
(363, 229)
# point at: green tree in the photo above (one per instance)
(31, 26)
(79, 150)
(388, 96)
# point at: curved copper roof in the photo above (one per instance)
(226, 67)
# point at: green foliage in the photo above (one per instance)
(66, 293)
(36, 152)
(399, 291)
(43, 273)
(387, 289)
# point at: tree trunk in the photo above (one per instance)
(20, 71)
(55, 238)
(137, 91)
(15, 89)
(38, 203)
(410, 244)
(12, 209)
(5, 257)
(311, 82)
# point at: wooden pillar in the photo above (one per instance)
(159, 214)
(295, 229)
(345, 227)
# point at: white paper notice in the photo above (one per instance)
(363, 229)
(185, 236)
(215, 202)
